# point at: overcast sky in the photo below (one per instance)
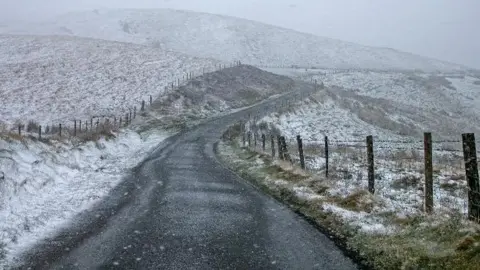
(443, 29)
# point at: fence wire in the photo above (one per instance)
(399, 170)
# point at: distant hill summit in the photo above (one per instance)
(227, 38)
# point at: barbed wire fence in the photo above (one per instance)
(426, 176)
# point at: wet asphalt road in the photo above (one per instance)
(181, 209)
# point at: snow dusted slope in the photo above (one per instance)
(227, 38)
(52, 79)
(44, 185)
(344, 115)
(445, 94)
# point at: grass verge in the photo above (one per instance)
(402, 242)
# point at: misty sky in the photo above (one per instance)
(437, 28)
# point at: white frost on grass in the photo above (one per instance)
(363, 221)
(55, 79)
(46, 185)
(399, 166)
(306, 193)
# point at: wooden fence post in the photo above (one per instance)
(326, 156)
(143, 106)
(120, 122)
(263, 142)
(39, 132)
(300, 152)
(244, 139)
(428, 201)
(286, 156)
(130, 117)
(74, 128)
(471, 174)
(134, 112)
(280, 148)
(371, 165)
(91, 124)
(80, 126)
(60, 129)
(272, 141)
(126, 119)
(255, 135)
(151, 100)
(19, 130)
(249, 138)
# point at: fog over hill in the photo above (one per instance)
(226, 38)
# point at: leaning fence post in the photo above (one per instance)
(74, 128)
(263, 142)
(249, 138)
(60, 129)
(326, 156)
(143, 106)
(471, 174)
(19, 130)
(371, 165)
(255, 140)
(428, 202)
(272, 140)
(300, 152)
(39, 132)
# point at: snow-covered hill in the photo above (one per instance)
(227, 39)
(57, 79)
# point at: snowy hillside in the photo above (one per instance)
(345, 115)
(219, 92)
(227, 39)
(56, 79)
(450, 97)
(44, 185)
(397, 128)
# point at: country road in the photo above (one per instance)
(181, 209)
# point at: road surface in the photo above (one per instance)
(181, 209)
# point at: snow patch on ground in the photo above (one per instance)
(45, 185)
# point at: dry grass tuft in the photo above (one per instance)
(360, 200)
(407, 181)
